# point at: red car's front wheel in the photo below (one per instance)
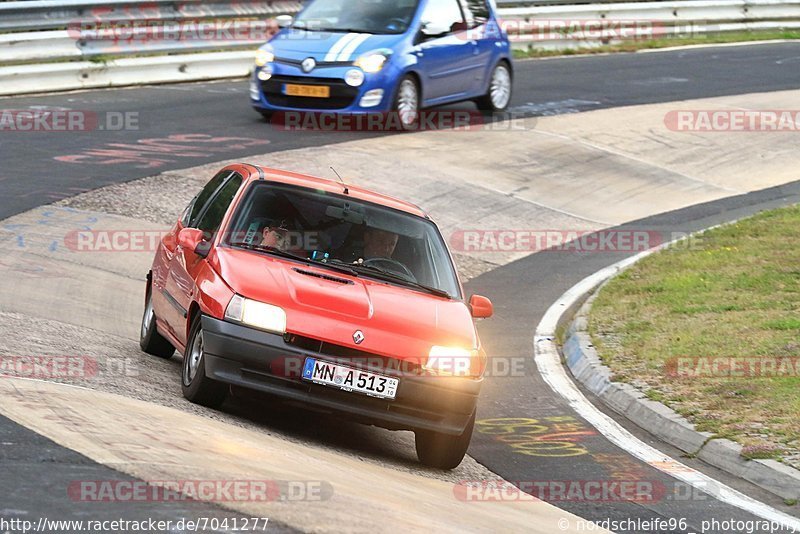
(443, 451)
(196, 386)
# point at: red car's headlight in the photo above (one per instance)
(454, 361)
(257, 314)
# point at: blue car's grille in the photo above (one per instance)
(320, 64)
(342, 95)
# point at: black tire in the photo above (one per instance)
(402, 104)
(493, 101)
(150, 340)
(267, 115)
(196, 386)
(443, 451)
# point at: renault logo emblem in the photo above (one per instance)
(358, 337)
(308, 64)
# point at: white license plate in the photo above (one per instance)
(349, 379)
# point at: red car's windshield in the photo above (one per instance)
(344, 233)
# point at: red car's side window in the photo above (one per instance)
(211, 219)
(200, 201)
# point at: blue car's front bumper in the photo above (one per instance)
(375, 94)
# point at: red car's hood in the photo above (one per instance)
(396, 321)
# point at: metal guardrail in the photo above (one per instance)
(48, 45)
(646, 20)
(52, 14)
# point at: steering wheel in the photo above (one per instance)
(391, 265)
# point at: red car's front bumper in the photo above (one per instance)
(257, 360)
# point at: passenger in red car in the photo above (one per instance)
(275, 237)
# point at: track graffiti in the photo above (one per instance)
(551, 437)
(154, 153)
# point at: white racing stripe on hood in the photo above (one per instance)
(352, 46)
(339, 45)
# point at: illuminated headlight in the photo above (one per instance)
(265, 73)
(453, 361)
(257, 314)
(373, 61)
(264, 56)
(354, 77)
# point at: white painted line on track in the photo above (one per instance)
(550, 367)
(714, 45)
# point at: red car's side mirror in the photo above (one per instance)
(481, 307)
(192, 239)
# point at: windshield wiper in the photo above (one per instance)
(337, 265)
(403, 280)
(270, 250)
(342, 30)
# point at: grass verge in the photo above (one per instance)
(652, 44)
(713, 331)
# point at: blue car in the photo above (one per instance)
(379, 56)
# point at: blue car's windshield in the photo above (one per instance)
(358, 16)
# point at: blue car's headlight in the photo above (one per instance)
(264, 55)
(373, 61)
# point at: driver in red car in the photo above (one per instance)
(374, 244)
(379, 243)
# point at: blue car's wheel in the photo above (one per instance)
(407, 102)
(498, 96)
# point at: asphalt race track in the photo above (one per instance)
(526, 289)
(191, 124)
(41, 167)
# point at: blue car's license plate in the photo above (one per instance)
(312, 91)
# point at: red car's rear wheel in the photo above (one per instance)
(150, 340)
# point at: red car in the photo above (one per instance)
(319, 292)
